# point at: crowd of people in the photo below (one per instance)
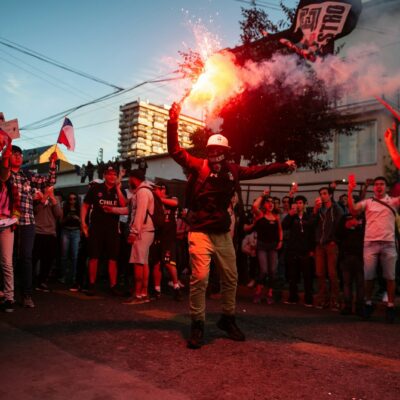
(145, 235)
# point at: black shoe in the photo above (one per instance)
(8, 306)
(178, 295)
(90, 291)
(74, 288)
(228, 324)
(390, 315)
(116, 292)
(368, 310)
(42, 288)
(195, 340)
(346, 311)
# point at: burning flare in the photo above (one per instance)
(218, 82)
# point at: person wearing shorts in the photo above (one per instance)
(164, 246)
(379, 241)
(103, 231)
(141, 234)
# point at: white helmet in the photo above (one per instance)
(218, 140)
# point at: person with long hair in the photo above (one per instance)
(70, 237)
(269, 241)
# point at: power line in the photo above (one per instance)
(64, 88)
(55, 117)
(42, 57)
(260, 4)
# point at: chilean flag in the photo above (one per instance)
(66, 135)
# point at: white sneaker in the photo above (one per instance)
(385, 297)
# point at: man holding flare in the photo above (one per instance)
(211, 184)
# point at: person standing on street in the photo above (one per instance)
(211, 185)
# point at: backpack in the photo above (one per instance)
(158, 216)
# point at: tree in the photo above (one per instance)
(274, 122)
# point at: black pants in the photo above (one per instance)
(299, 265)
(44, 250)
(352, 267)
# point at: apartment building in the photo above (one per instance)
(143, 129)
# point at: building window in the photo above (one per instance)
(359, 148)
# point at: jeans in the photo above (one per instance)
(297, 266)
(44, 250)
(268, 265)
(326, 256)
(353, 272)
(24, 248)
(202, 248)
(70, 245)
(6, 262)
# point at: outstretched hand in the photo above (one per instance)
(291, 164)
(389, 134)
(174, 112)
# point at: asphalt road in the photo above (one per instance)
(74, 347)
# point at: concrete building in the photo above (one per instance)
(143, 129)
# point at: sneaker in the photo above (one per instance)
(309, 305)
(133, 301)
(251, 283)
(390, 315)
(90, 291)
(227, 323)
(290, 301)
(335, 306)
(146, 299)
(368, 310)
(346, 310)
(181, 285)
(178, 295)
(257, 298)
(196, 339)
(322, 305)
(116, 292)
(8, 306)
(74, 288)
(42, 288)
(27, 302)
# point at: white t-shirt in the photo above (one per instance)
(380, 219)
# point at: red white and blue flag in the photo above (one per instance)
(66, 135)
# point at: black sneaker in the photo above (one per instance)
(27, 302)
(346, 310)
(116, 292)
(42, 288)
(228, 324)
(195, 340)
(74, 288)
(178, 295)
(390, 315)
(8, 306)
(90, 291)
(368, 310)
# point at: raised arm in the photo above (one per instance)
(355, 208)
(389, 141)
(179, 154)
(258, 171)
(41, 182)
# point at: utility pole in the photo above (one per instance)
(100, 155)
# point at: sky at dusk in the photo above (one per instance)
(123, 42)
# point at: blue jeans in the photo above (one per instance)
(26, 238)
(70, 245)
(268, 264)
